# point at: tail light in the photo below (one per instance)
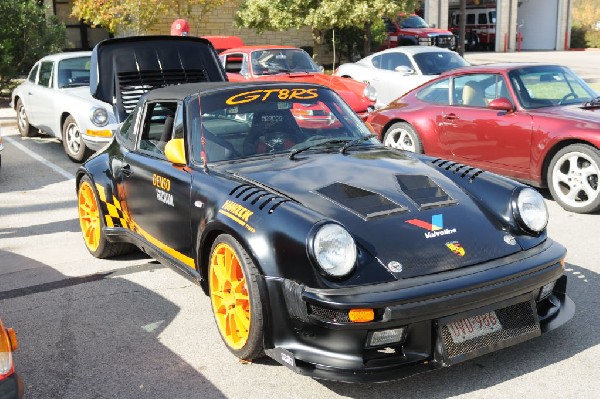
(8, 344)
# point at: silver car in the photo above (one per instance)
(55, 98)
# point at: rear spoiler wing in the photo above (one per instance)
(123, 69)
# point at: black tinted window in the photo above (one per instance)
(45, 74)
(33, 73)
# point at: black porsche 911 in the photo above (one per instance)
(318, 246)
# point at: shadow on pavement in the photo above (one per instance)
(96, 337)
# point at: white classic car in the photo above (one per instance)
(397, 70)
(55, 99)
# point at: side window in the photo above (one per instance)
(478, 90)
(436, 93)
(157, 128)
(126, 132)
(45, 78)
(470, 19)
(233, 63)
(377, 61)
(33, 73)
(393, 60)
(482, 19)
(178, 125)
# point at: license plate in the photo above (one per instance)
(473, 327)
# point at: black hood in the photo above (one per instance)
(396, 207)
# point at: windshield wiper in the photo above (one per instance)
(297, 151)
(594, 103)
(355, 142)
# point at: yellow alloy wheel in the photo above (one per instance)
(229, 296)
(89, 216)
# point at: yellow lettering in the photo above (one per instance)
(244, 97)
(161, 182)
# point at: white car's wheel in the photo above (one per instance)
(402, 135)
(25, 128)
(573, 178)
(72, 140)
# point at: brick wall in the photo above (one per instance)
(220, 22)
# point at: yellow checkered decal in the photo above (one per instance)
(114, 214)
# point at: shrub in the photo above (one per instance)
(25, 36)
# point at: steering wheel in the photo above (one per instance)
(566, 97)
(275, 141)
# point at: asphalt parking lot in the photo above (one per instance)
(132, 328)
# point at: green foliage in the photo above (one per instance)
(583, 37)
(25, 36)
(320, 15)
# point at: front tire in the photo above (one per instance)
(72, 140)
(235, 298)
(573, 178)
(91, 220)
(402, 136)
(25, 128)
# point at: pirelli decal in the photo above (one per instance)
(116, 215)
(238, 214)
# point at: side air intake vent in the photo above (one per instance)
(458, 168)
(365, 203)
(424, 191)
(256, 195)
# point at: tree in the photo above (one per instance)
(586, 13)
(319, 15)
(25, 36)
(137, 16)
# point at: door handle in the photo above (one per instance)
(450, 117)
(126, 170)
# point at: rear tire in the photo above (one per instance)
(403, 136)
(91, 220)
(235, 298)
(573, 178)
(25, 128)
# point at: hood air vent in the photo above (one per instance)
(424, 191)
(256, 195)
(454, 167)
(366, 204)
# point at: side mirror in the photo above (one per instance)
(404, 70)
(501, 104)
(175, 152)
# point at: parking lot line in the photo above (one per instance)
(39, 158)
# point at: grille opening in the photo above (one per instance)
(423, 191)
(364, 202)
(517, 321)
(447, 165)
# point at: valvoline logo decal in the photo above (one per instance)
(435, 228)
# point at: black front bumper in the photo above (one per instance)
(312, 334)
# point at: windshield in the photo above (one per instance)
(549, 86)
(240, 123)
(74, 72)
(435, 63)
(414, 21)
(273, 61)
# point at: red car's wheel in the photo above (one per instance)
(402, 135)
(573, 178)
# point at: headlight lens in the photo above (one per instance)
(531, 211)
(370, 93)
(99, 116)
(335, 250)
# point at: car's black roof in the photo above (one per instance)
(180, 92)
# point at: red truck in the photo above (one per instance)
(412, 30)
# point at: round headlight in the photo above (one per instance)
(370, 93)
(335, 250)
(99, 116)
(531, 211)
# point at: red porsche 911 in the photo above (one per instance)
(537, 123)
